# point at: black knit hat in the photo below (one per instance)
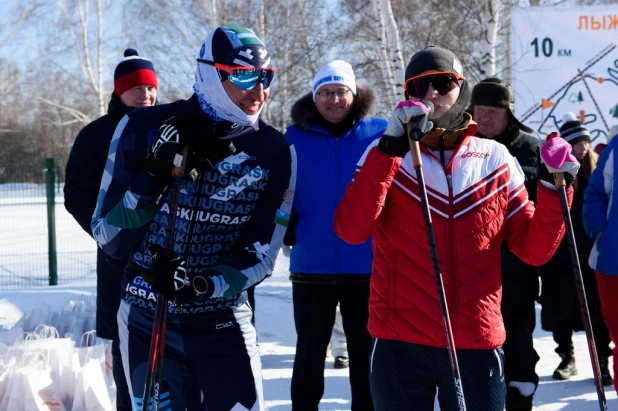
(439, 60)
(493, 92)
(433, 58)
(133, 71)
(572, 130)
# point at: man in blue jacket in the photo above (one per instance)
(601, 224)
(233, 209)
(135, 86)
(331, 131)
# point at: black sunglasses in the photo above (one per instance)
(443, 83)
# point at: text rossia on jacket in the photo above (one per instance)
(476, 201)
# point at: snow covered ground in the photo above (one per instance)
(274, 322)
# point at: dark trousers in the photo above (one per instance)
(520, 291)
(251, 301)
(563, 336)
(214, 353)
(123, 398)
(404, 376)
(314, 316)
(608, 290)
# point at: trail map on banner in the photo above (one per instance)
(566, 59)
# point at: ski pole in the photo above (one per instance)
(581, 291)
(415, 135)
(154, 372)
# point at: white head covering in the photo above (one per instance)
(335, 72)
(211, 95)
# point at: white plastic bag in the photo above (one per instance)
(40, 314)
(33, 388)
(6, 369)
(68, 381)
(94, 388)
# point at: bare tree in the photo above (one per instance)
(390, 51)
(77, 43)
(13, 20)
(489, 19)
(298, 34)
(73, 39)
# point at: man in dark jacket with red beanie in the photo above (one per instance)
(135, 86)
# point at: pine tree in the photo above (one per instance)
(580, 97)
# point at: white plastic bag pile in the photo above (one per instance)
(46, 368)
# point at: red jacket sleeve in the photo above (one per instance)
(532, 234)
(358, 211)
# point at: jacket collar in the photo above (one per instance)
(452, 138)
(116, 106)
(223, 129)
(306, 116)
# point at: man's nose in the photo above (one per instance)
(258, 93)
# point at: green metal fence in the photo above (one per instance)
(40, 242)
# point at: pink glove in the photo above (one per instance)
(556, 156)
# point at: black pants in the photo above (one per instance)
(214, 353)
(563, 336)
(251, 301)
(404, 376)
(123, 399)
(314, 317)
(520, 291)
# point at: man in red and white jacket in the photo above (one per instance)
(477, 198)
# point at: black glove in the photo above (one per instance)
(204, 150)
(205, 153)
(169, 274)
(173, 135)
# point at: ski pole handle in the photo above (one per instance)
(180, 162)
(415, 150)
(559, 180)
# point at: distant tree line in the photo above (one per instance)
(57, 56)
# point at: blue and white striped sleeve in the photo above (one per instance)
(122, 214)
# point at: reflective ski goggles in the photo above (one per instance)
(443, 83)
(247, 78)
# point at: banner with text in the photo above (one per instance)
(565, 59)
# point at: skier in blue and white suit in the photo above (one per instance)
(233, 211)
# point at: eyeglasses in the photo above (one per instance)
(327, 95)
(247, 78)
(443, 83)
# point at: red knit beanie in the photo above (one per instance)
(133, 71)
